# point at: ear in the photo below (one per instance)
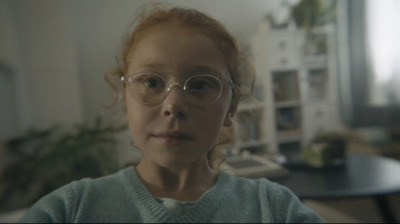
(231, 112)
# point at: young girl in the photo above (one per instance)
(182, 81)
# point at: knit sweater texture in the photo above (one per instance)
(123, 197)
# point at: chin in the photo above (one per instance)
(178, 161)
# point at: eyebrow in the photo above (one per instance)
(150, 65)
(190, 70)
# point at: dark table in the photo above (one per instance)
(362, 176)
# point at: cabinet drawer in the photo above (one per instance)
(284, 50)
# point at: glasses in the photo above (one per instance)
(198, 90)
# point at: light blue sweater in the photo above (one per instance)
(122, 197)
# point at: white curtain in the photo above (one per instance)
(383, 44)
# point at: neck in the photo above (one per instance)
(183, 183)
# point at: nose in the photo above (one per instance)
(175, 104)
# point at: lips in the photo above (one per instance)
(173, 137)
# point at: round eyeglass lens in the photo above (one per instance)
(148, 88)
(202, 90)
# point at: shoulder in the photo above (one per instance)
(275, 201)
(62, 204)
(104, 183)
(267, 189)
(247, 184)
(260, 191)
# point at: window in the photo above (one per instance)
(369, 62)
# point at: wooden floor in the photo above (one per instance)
(358, 210)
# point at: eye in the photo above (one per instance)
(199, 85)
(153, 83)
(203, 83)
(150, 81)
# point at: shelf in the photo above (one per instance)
(250, 106)
(286, 85)
(315, 59)
(252, 143)
(289, 136)
(288, 103)
(298, 78)
(249, 125)
(288, 118)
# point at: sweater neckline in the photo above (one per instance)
(138, 191)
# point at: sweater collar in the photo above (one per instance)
(156, 212)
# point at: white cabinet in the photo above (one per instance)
(249, 129)
(296, 72)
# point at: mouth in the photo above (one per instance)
(173, 137)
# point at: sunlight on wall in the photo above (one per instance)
(383, 34)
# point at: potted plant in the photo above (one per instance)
(327, 149)
(41, 161)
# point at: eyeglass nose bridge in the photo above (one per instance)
(176, 84)
(172, 85)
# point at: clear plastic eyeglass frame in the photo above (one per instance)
(169, 86)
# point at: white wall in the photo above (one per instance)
(13, 116)
(41, 47)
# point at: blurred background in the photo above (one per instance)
(325, 67)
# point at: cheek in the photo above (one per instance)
(211, 123)
(139, 119)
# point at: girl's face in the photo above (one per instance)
(175, 133)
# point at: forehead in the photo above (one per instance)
(176, 48)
